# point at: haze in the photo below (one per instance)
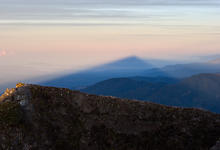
(42, 37)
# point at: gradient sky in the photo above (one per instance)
(38, 37)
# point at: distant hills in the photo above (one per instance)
(158, 79)
(128, 67)
(42, 118)
(185, 70)
(132, 88)
(201, 91)
(215, 61)
(189, 85)
(124, 88)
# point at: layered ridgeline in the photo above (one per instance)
(132, 66)
(200, 91)
(35, 117)
(185, 70)
(130, 87)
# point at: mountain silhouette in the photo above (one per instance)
(201, 91)
(184, 70)
(132, 88)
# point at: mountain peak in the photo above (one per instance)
(58, 118)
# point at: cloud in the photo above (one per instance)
(97, 12)
(160, 2)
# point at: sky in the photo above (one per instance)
(47, 36)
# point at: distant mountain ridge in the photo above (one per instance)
(124, 88)
(184, 70)
(215, 61)
(157, 79)
(131, 87)
(201, 91)
(128, 67)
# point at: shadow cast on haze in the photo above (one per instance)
(183, 85)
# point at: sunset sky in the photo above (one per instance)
(45, 36)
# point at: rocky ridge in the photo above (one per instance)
(36, 117)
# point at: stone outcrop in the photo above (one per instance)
(36, 117)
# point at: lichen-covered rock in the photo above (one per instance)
(35, 117)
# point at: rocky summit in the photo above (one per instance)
(47, 118)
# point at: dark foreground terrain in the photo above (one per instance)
(45, 118)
